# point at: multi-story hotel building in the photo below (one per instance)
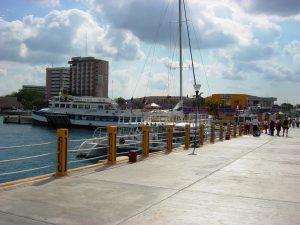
(89, 76)
(57, 79)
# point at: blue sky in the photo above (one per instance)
(239, 46)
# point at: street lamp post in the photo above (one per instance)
(197, 89)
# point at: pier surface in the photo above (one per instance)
(246, 180)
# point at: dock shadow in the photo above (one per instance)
(45, 181)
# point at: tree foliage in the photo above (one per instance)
(286, 106)
(121, 102)
(30, 98)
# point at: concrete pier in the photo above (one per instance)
(245, 180)
(18, 119)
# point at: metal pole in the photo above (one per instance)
(196, 124)
(180, 48)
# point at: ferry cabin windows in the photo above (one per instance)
(92, 107)
(95, 118)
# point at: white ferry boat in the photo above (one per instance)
(69, 111)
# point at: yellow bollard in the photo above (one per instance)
(112, 146)
(212, 133)
(234, 130)
(221, 132)
(145, 150)
(228, 131)
(201, 134)
(61, 152)
(169, 138)
(187, 135)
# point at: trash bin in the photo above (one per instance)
(132, 156)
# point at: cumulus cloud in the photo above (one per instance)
(13, 75)
(274, 7)
(60, 35)
(292, 48)
(156, 21)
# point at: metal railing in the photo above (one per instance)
(39, 159)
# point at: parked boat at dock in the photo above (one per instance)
(69, 111)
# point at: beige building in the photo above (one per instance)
(89, 76)
(57, 79)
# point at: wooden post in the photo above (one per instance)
(228, 131)
(62, 152)
(187, 135)
(169, 138)
(145, 150)
(201, 134)
(112, 146)
(221, 134)
(212, 133)
(241, 125)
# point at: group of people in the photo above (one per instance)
(279, 125)
(272, 125)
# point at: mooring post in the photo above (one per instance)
(145, 149)
(212, 133)
(221, 134)
(169, 138)
(62, 152)
(112, 146)
(187, 136)
(228, 131)
(201, 134)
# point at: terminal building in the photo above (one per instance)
(229, 104)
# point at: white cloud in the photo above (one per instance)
(61, 35)
(14, 75)
(274, 7)
(292, 48)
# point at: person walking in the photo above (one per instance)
(278, 127)
(293, 123)
(285, 127)
(255, 124)
(266, 125)
(272, 127)
(247, 127)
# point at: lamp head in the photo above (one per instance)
(197, 87)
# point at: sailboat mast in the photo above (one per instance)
(180, 48)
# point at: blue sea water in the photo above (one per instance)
(19, 135)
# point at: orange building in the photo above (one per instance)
(229, 103)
